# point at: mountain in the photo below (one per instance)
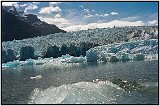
(17, 25)
(42, 26)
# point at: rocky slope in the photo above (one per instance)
(17, 25)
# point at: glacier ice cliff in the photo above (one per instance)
(27, 53)
(8, 55)
(108, 44)
(84, 39)
(133, 50)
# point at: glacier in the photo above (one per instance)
(127, 51)
(93, 45)
(133, 50)
(98, 36)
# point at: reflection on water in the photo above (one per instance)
(138, 79)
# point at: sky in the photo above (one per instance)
(73, 16)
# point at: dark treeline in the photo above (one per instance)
(54, 51)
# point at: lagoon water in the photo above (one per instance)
(114, 83)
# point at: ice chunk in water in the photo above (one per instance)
(113, 58)
(11, 64)
(29, 62)
(138, 57)
(123, 56)
(78, 59)
(36, 77)
(101, 92)
(65, 60)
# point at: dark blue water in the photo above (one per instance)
(17, 86)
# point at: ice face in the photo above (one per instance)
(27, 53)
(92, 56)
(101, 92)
(135, 50)
(52, 51)
(8, 56)
(100, 36)
(4, 57)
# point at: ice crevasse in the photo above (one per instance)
(134, 50)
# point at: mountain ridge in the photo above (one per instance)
(18, 26)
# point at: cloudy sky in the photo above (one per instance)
(72, 16)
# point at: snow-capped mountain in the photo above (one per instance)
(17, 25)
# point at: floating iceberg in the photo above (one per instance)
(101, 92)
(60, 61)
(78, 59)
(36, 77)
(134, 50)
(15, 63)
(113, 58)
(29, 62)
(138, 57)
(116, 91)
(124, 56)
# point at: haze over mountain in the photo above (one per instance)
(17, 25)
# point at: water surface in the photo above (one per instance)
(138, 79)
